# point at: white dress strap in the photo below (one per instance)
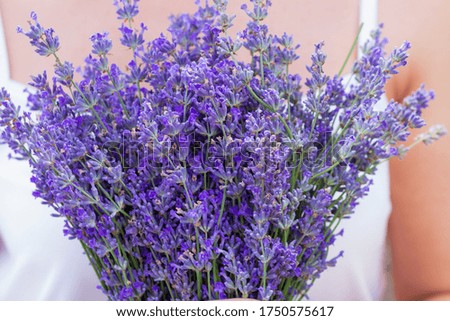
(368, 15)
(4, 62)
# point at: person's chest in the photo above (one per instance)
(335, 22)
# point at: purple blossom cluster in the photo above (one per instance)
(191, 175)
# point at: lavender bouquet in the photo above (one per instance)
(191, 175)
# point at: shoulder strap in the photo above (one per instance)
(368, 14)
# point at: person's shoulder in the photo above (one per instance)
(413, 17)
(426, 26)
(419, 225)
(418, 21)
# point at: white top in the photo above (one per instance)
(38, 263)
(360, 273)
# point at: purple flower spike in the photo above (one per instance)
(190, 175)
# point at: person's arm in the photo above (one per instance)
(419, 228)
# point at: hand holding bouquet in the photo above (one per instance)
(191, 175)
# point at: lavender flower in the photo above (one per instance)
(190, 175)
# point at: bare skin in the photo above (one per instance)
(419, 227)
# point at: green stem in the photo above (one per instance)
(165, 278)
(199, 285)
(215, 274)
(29, 154)
(264, 267)
(287, 286)
(58, 61)
(265, 105)
(122, 103)
(208, 275)
(198, 273)
(270, 108)
(288, 101)
(296, 175)
(355, 42)
(285, 236)
(109, 197)
(138, 84)
(261, 67)
(95, 265)
(222, 206)
(325, 171)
